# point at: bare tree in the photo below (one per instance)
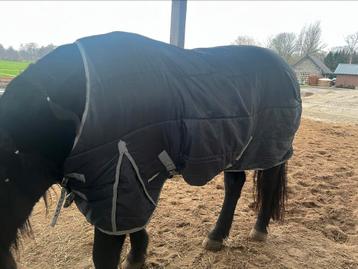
(245, 40)
(284, 44)
(309, 39)
(352, 45)
(29, 51)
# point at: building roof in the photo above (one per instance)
(347, 69)
(316, 61)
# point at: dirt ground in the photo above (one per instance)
(320, 230)
(333, 105)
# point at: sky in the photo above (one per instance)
(209, 23)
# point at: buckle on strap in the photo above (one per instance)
(168, 163)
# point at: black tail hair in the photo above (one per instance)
(279, 193)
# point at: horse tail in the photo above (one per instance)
(270, 185)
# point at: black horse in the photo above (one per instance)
(39, 115)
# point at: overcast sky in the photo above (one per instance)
(209, 23)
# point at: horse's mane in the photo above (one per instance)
(25, 230)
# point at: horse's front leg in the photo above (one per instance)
(137, 254)
(107, 250)
(234, 181)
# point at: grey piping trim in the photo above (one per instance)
(122, 148)
(88, 87)
(123, 232)
(130, 230)
(253, 169)
(277, 164)
(77, 176)
(115, 187)
(243, 150)
(153, 177)
(139, 177)
(228, 166)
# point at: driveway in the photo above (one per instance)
(331, 105)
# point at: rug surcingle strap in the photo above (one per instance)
(61, 201)
(168, 163)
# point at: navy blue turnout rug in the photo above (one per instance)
(154, 110)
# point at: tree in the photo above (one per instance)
(309, 40)
(245, 40)
(11, 54)
(336, 57)
(45, 50)
(352, 45)
(29, 51)
(2, 52)
(284, 44)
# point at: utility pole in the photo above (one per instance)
(177, 26)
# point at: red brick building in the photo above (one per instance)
(347, 75)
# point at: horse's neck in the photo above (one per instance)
(30, 120)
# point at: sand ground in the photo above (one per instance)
(320, 230)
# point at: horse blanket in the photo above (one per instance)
(153, 110)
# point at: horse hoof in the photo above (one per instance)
(212, 245)
(257, 236)
(128, 265)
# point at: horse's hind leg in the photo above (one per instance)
(136, 256)
(107, 250)
(234, 181)
(270, 198)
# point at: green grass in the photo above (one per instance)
(12, 68)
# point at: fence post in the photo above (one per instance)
(177, 26)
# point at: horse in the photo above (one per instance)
(41, 116)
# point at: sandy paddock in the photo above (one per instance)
(320, 230)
